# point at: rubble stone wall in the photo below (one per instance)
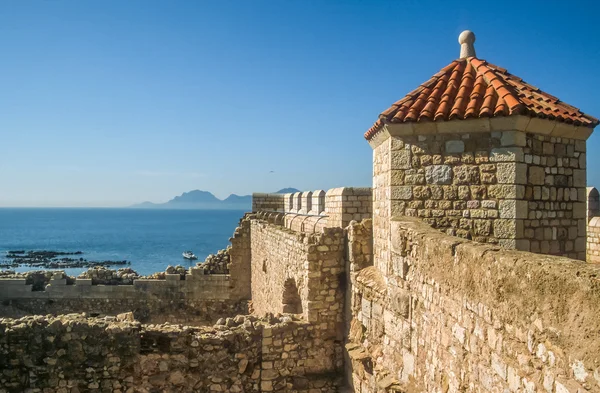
(147, 309)
(239, 256)
(447, 314)
(71, 354)
(199, 299)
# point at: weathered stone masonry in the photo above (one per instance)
(301, 273)
(520, 190)
(199, 299)
(450, 315)
(75, 354)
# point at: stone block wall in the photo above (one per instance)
(268, 202)
(70, 354)
(383, 206)
(449, 315)
(593, 240)
(555, 193)
(520, 190)
(345, 204)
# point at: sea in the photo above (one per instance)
(150, 239)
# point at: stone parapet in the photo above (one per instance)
(444, 306)
(345, 204)
(268, 202)
(311, 211)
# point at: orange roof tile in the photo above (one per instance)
(473, 88)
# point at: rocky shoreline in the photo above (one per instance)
(48, 259)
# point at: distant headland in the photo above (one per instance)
(198, 199)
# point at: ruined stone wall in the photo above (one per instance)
(72, 354)
(310, 265)
(450, 315)
(593, 240)
(239, 254)
(522, 191)
(301, 273)
(148, 310)
(196, 298)
(199, 299)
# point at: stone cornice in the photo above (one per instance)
(534, 125)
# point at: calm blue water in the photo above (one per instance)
(150, 239)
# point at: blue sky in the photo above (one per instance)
(108, 103)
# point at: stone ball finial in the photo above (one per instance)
(466, 39)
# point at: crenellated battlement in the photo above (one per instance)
(311, 211)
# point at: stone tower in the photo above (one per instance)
(479, 153)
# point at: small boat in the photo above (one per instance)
(189, 255)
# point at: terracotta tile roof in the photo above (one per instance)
(473, 88)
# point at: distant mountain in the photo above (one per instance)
(198, 199)
(288, 190)
(233, 198)
(195, 196)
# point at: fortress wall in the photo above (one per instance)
(239, 266)
(382, 203)
(72, 354)
(301, 273)
(308, 266)
(593, 240)
(345, 204)
(450, 315)
(311, 211)
(268, 202)
(199, 299)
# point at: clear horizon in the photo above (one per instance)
(109, 104)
